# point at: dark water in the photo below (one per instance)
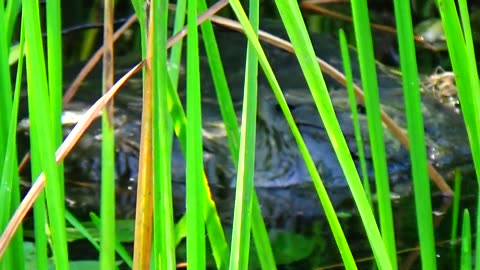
(319, 249)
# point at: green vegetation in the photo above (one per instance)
(207, 239)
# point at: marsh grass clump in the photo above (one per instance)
(172, 119)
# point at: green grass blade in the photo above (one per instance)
(221, 87)
(12, 11)
(176, 51)
(466, 254)
(138, 6)
(353, 107)
(164, 234)
(305, 54)
(54, 46)
(233, 135)
(194, 158)
(119, 248)
(418, 155)
(220, 247)
(372, 103)
(5, 85)
(348, 258)
(260, 237)
(212, 220)
(82, 230)
(239, 254)
(144, 199)
(9, 188)
(456, 206)
(467, 33)
(477, 253)
(40, 223)
(40, 116)
(464, 66)
(468, 86)
(107, 207)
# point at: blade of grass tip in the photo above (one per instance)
(40, 114)
(353, 107)
(90, 37)
(194, 158)
(139, 7)
(372, 101)
(418, 155)
(144, 209)
(164, 234)
(240, 248)
(180, 230)
(466, 254)
(107, 207)
(456, 207)
(326, 203)
(12, 11)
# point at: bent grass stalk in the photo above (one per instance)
(67, 145)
